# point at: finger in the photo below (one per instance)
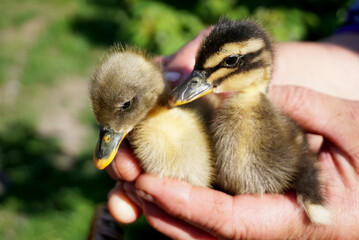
(162, 60)
(113, 173)
(180, 65)
(245, 216)
(163, 222)
(334, 118)
(345, 173)
(125, 165)
(123, 209)
(315, 142)
(171, 226)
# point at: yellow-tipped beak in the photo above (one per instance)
(195, 86)
(107, 147)
(180, 101)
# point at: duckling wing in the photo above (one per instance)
(255, 148)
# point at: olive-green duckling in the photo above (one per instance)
(258, 149)
(129, 94)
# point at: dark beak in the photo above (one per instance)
(195, 86)
(107, 147)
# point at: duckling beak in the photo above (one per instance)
(107, 147)
(195, 86)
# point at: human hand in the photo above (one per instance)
(182, 211)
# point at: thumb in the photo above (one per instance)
(180, 65)
(334, 118)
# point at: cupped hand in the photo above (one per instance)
(182, 211)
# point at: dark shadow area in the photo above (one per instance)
(122, 4)
(126, 5)
(97, 30)
(187, 5)
(138, 231)
(28, 161)
(310, 5)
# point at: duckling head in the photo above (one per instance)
(125, 86)
(235, 56)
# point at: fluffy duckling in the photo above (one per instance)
(257, 148)
(129, 94)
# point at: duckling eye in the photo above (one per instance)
(126, 105)
(231, 61)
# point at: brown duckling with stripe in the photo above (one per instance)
(129, 94)
(258, 149)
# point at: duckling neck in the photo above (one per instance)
(162, 102)
(158, 109)
(245, 100)
(252, 81)
(256, 88)
(249, 96)
(163, 97)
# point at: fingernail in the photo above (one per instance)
(145, 196)
(173, 76)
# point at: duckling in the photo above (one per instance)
(129, 94)
(258, 149)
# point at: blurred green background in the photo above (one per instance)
(48, 49)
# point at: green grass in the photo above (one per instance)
(57, 53)
(51, 193)
(67, 223)
(44, 202)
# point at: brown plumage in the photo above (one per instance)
(129, 95)
(258, 149)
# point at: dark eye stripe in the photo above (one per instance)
(253, 66)
(246, 66)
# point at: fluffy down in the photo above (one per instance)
(171, 143)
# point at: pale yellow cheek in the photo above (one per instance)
(222, 72)
(241, 81)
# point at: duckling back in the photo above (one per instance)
(258, 149)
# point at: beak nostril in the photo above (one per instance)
(194, 81)
(106, 139)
